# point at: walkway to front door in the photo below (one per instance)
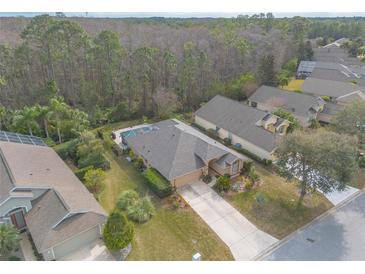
(243, 238)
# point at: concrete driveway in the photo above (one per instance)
(243, 238)
(96, 251)
(337, 236)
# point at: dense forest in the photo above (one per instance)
(91, 71)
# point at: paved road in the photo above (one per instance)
(243, 238)
(338, 236)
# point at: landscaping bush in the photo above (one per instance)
(118, 231)
(212, 133)
(253, 175)
(126, 199)
(139, 164)
(246, 167)
(14, 258)
(157, 182)
(362, 162)
(67, 150)
(131, 154)
(198, 127)
(142, 210)
(227, 141)
(117, 150)
(249, 185)
(326, 98)
(94, 180)
(223, 183)
(80, 173)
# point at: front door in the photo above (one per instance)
(17, 218)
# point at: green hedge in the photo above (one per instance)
(157, 182)
(67, 149)
(80, 173)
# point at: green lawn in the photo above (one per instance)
(278, 215)
(170, 234)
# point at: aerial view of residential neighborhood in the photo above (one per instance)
(167, 138)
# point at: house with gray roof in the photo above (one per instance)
(304, 107)
(339, 92)
(181, 153)
(40, 194)
(252, 129)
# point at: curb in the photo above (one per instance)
(275, 246)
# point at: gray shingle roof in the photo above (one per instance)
(173, 150)
(5, 182)
(47, 210)
(240, 120)
(294, 102)
(41, 167)
(330, 88)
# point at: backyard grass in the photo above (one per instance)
(170, 234)
(294, 84)
(278, 214)
(359, 180)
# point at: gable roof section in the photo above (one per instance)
(40, 167)
(294, 102)
(328, 88)
(240, 120)
(48, 210)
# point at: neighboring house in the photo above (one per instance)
(339, 92)
(181, 153)
(303, 106)
(254, 130)
(39, 193)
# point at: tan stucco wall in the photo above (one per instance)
(235, 139)
(189, 178)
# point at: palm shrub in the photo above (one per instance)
(246, 167)
(223, 183)
(142, 210)
(118, 231)
(126, 199)
(94, 180)
(9, 239)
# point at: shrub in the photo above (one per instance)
(253, 175)
(362, 162)
(67, 150)
(139, 164)
(131, 154)
(116, 149)
(157, 182)
(14, 258)
(246, 167)
(198, 127)
(249, 185)
(326, 98)
(126, 199)
(142, 210)
(212, 133)
(118, 231)
(80, 173)
(9, 239)
(227, 141)
(223, 183)
(94, 180)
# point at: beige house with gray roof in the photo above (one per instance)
(40, 194)
(254, 130)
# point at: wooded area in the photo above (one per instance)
(116, 69)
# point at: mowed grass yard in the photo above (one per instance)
(170, 234)
(278, 214)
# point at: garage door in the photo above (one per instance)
(188, 178)
(76, 242)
